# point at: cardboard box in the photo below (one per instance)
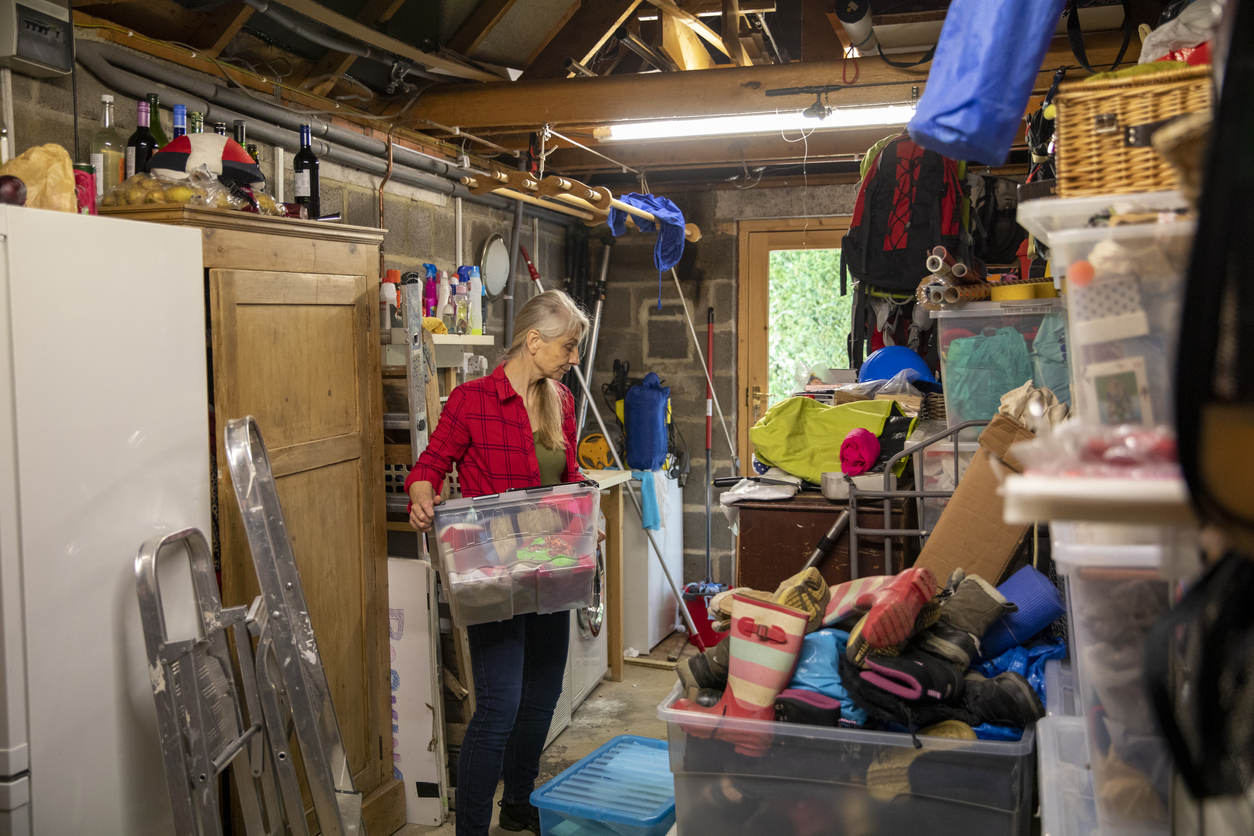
(970, 533)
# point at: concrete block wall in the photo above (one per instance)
(659, 340)
(420, 223)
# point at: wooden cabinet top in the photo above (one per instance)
(244, 241)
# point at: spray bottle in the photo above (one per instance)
(476, 302)
(430, 291)
(443, 290)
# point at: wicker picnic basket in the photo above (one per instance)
(1095, 121)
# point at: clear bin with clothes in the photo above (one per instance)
(1120, 580)
(531, 550)
(819, 780)
(1125, 288)
(1061, 699)
(935, 470)
(1067, 805)
(990, 348)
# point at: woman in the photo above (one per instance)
(512, 429)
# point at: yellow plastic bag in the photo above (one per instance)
(49, 177)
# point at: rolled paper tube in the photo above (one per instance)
(934, 264)
(936, 293)
(959, 270)
(943, 255)
(954, 295)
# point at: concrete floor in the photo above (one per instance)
(613, 708)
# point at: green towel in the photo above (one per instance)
(980, 369)
(802, 436)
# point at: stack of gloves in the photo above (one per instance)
(906, 663)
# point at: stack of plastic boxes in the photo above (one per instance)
(518, 552)
(819, 780)
(936, 469)
(1120, 580)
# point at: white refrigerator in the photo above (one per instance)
(104, 442)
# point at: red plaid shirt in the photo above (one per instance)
(484, 429)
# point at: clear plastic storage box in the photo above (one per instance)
(817, 780)
(990, 348)
(1124, 318)
(621, 789)
(934, 470)
(1120, 580)
(521, 551)
(1046, 216)
(1067, 806)
(1060, 696)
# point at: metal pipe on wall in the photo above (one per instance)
(515, 241)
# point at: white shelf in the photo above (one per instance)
(1159, 502)
(463, 339)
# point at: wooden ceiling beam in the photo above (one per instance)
(220, 27)
(361, 32)
(582, 37)
(334, 63)
(713, 8)
(726, 90)
(481, 22)
(736, 53)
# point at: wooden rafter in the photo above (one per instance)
(481, 22)
(730, 29)
(608, 99)
(714, 8)
(737, 55)
(335, 63)
(819, 41)
(585, 32)
(219, 28)
(683, 46)
(361, 32)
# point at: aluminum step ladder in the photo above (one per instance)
(291, 681)
(202, 725)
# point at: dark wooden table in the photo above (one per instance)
(777, 538)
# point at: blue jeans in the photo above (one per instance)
(518, 666)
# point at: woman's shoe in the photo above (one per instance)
(519, 817)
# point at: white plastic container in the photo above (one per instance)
(821, 780)
(476, 302)
(1067, 806)
(521, 551)
(935, 470)
(1115, 592)
(1047, 215)
(1124, 324)
(1061, 699)
(974, 385)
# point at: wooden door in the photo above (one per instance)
(299, 352)
(757, 240)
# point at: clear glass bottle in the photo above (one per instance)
(108, 150)
(448, 314)
(463, 308)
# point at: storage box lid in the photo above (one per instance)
(626, 781)
(14, 794)
(1067, 806)
(1045, 216)
(516, 497)
(1019, 307)
(1130, 232)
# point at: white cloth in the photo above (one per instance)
(746, 489)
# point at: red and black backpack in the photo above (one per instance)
(909, 202)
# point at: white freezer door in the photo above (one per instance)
(106, 322)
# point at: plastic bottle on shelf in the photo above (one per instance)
(463, 308)
(476, 302)
(430, 291)
(388, 301)
(443, 291)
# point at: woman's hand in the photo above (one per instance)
(424, 500)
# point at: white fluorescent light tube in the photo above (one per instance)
(757, 123)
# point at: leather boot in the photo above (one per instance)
(964, 617)
(765, 641)
(1005, 700)
(707, 669)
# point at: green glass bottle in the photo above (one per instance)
(154, 116)
(195, 122)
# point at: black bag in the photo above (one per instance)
(994, 227)
(909, 202)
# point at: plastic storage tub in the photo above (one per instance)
(621, 789)
(1067, 807)
(1117, 587)
(1047, 215)
(1060, 695)
(1124, 321)
(517, 552)
(990, 348)
(817, 780)
(934, 471)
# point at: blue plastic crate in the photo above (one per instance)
(624, 788)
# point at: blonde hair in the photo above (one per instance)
(553, 315)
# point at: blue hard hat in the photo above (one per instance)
(891, 359)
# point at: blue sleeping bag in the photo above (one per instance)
(986, 63)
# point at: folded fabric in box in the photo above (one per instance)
(1040, 604)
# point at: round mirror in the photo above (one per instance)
(494, 265)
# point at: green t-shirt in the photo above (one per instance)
(552, 463)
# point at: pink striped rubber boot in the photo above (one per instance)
(765, 642)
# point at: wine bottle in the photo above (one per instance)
(180, 121)
(108, 149)
(240, 132)
(154, 115)
(305, 175)
(195, 122)
(142, 144)
(253, 152)
(219, 128)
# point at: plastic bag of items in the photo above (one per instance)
(1078, 449)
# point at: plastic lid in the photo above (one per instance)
(105, 97)
(628, 781)
(392, 276)
(1045, 216)
(1000, 308)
